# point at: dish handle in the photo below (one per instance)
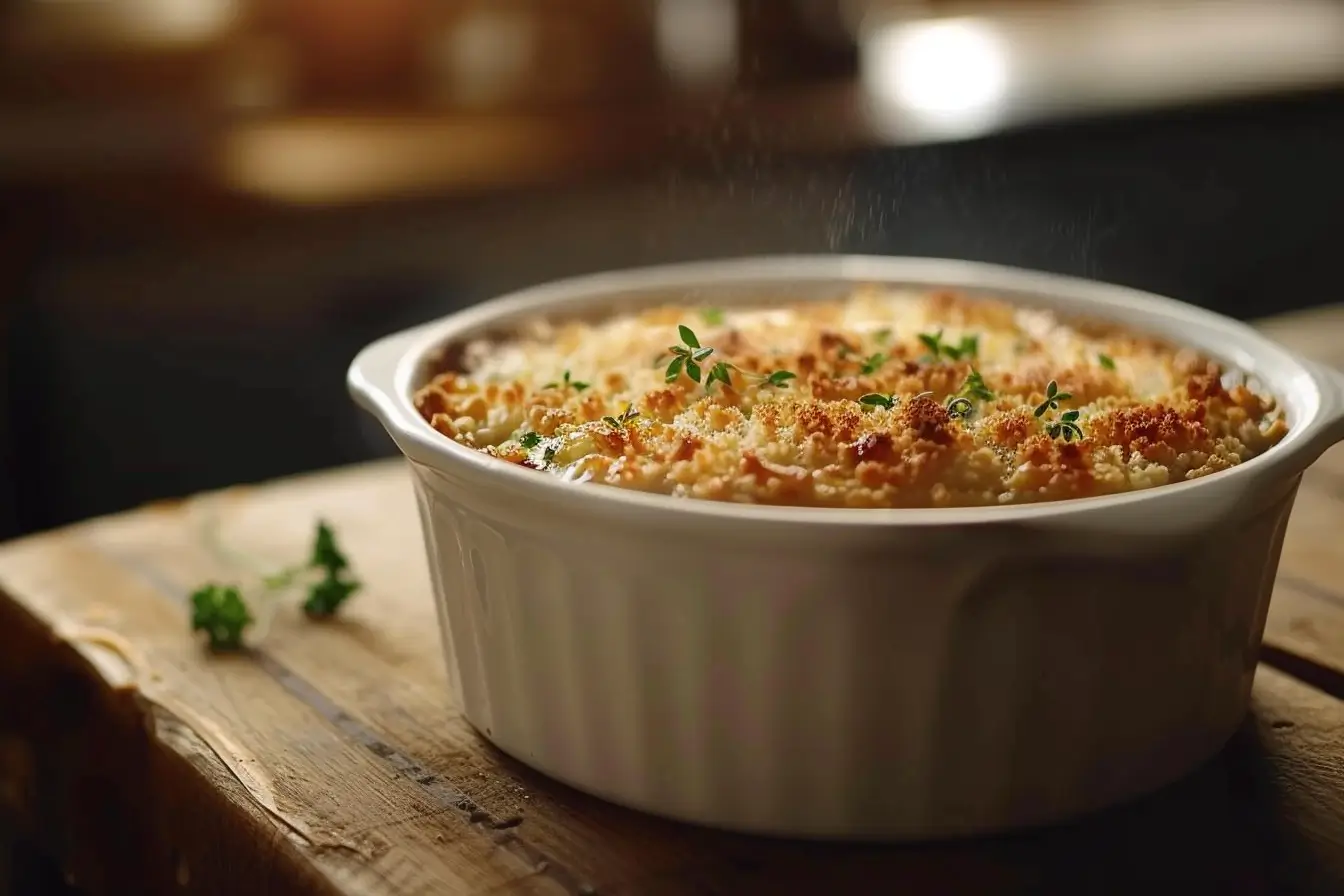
(1330, 383)
(373, 378)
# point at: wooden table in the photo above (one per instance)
(332, 761)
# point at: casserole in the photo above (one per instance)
(858, 674)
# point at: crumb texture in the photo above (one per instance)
(882, 399)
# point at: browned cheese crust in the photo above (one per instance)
(896, 399)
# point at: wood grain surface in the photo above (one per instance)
(332, 759)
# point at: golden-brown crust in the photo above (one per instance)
(882, 410)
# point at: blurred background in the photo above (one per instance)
(207, 206)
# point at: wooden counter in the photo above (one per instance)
(332, 761)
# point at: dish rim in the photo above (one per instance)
(382, 380)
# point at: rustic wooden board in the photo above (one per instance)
(332, 759)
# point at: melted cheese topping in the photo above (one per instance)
(883, 409)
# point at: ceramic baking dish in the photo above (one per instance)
(864, 674)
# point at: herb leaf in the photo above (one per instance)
(619, 423)
(712, 316)
(326, 597)
(530, 440)
(779, 378)
(1106, 361)
(566, 382)
(968, 347)
(688, 336)
(719, 372)
(933, 342)
(219, 611)
(974, 387)
(1066, 427)
(326, 555)
(878, 400)
(1052, 399)
(873, 362)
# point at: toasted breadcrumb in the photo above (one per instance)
(871, 417)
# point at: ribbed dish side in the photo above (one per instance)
(807, 694)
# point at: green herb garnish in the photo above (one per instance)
(974, 387)
(960, 408)
(530, 440)
(219, 611)
(720, 372)
(779, 378)
(1066, 426)
(968, 347)
(882, 336)
(878, 400)
(686, 356)
(1106, 361)
(873, 362)
(326, 596)
(567, 383)
(619, 423)
(1052, 399)
(712, 316)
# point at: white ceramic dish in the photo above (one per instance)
(865, 674)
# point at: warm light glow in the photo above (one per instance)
(178, 21)
(697, 39)
(485, 56)
(945, 67)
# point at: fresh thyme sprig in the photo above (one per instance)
(879, 400)
(686, 356)
(974, 387)
(968, 347)
(1106, 361)
(567, 383)
(873, 362)
(1066, 426)
(530, 440)
(619, 423)
(1052, 399)
(712, 316)
(691, 354)
(961, 403)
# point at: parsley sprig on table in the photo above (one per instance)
(223, 615)
(219, 611)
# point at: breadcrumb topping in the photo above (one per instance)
(886, 398)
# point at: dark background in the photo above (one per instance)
(166, 330)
